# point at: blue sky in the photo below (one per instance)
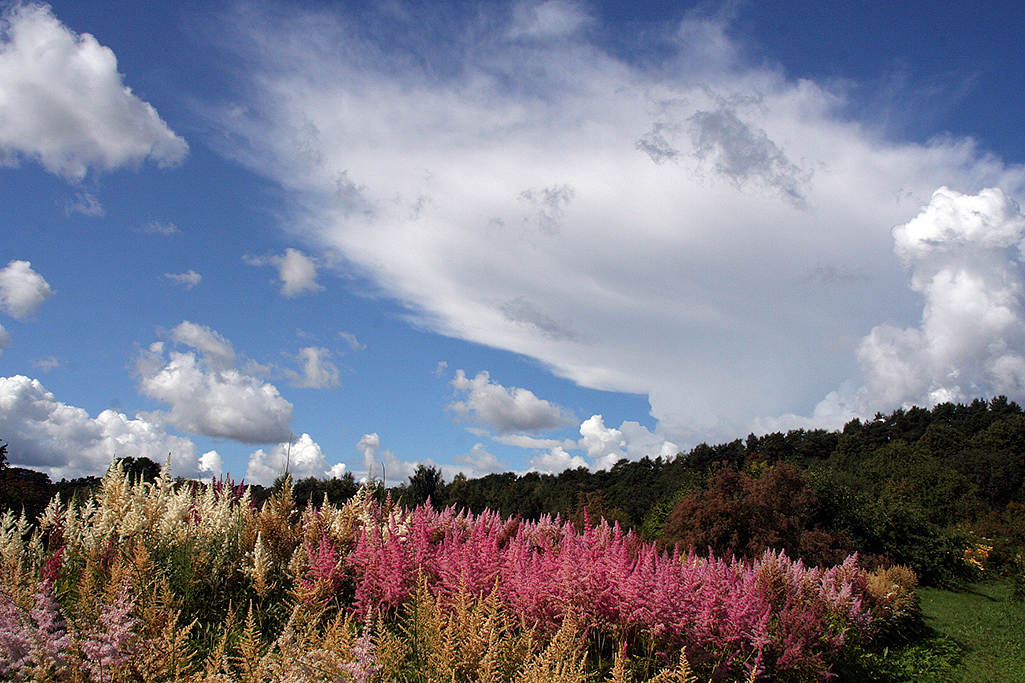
(497, 236)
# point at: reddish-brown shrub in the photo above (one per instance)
(744, 516)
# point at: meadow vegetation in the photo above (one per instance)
(162, 582)
(803, 556)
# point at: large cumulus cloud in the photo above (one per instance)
(965, 257)
(63, 103)
(66, 442)
(300, 458)
(207, 393)
(690, 227)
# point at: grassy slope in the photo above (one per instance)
(984, 622)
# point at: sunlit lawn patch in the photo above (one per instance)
(986, 623)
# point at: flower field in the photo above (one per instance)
(191, 582)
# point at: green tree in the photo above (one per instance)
(424, 484)
(140, 469)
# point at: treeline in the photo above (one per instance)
(939, 490)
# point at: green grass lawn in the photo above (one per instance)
(971, 636)
(985, 624)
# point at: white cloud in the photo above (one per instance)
(65, 442)
(5, 338)
(302, 458)
(188, 279)
(604, 445)
(383, 463)
(367, 447)
(318, 372)
(64, 104)
(297, 272)
(678, 214)
(211, 463)
(641, 442)
(507, 410)
(477, 463)
(216, 350)
(965, 255)
(22, 290)
(556, 461)
(207, 394)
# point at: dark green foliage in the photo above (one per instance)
(930, 659)
(76, 489)
(995, 461)
(797, 445)
(140, 469)
(25, 491)
(22, 490)
(424, 484)
(311, 491)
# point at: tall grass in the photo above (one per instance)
(164, 582)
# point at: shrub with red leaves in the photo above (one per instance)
(745, 516)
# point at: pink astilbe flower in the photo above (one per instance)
(737, 618)
(33, 644)
(363, 668)
(15, 644)
(383, 569)
(113, 645)
(324, 575)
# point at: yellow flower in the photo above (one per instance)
(977, 554)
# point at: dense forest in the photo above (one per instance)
(938, 490)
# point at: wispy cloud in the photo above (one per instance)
(158, 228)
(47, 363)
(351, 340)
(643, 227)
(86, 204)
(316, 369)
(186, 280)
